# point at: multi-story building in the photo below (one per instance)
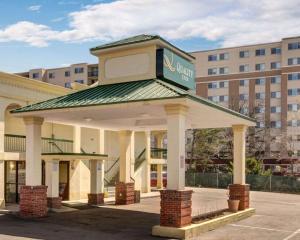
(261, 80)
(82, 73)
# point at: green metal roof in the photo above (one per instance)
(135, 91)
(136, 39)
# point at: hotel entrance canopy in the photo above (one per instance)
(136, 105)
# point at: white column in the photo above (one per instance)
(159, 142)
(33, 150)
(52, 178)
(77, 139)
(147, 179)
(97, 176)
(2, 184)
(132, 155)
(176, 117)
(2, 128)
(239, 153)
(125, 141)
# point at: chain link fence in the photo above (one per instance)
(285, 184)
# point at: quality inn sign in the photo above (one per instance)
(171, 67)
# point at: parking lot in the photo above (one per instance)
(277, 218)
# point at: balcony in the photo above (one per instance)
(159, 153)
(93, 74)
(17, 143)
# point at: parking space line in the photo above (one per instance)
(292, 235)
(260, 228)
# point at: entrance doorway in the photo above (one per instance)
(14, 180)
(64, 182)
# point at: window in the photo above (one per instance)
(79, 70)
(275, 65)
(275, 94)
(244, 110)
(215, 71)
(294, 45)
(275, 109)
(294, 91)
(276, 50)
(223, 98)
(80, 81)
(275, 124)
(212, 58)
(244, 54)
(294, 123)
(293, 61)
(244, 82)
(212, 71)
(224, 56)
(293, 76)
(68, 85)
(223, 70)
(260, 52)
(51, 75)
(67, 73)
(259, 109)
(260, 81)
(218, 85)
(35, 75)
(275, 80)
(244, 68)
(218, 57)
(293, 107)
(260, 124)
(244, 97)
(260, 67)
(259, 95)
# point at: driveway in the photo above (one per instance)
(277, 218)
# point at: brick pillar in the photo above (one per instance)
(95, 198)
(124, 193)
(54, 202)
(176, 208)
(33, 201)
(240, 192)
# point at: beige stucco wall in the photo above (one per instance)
(125, 72)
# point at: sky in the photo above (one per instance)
(50, 33)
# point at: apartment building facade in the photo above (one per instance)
(262, 81)
(81, 73)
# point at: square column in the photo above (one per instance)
(176, 204)
(160, 183)
(239, 190)
(159, 142)
(2, 184)
(2, 132)
(125, 188)
(52, 182)
(96, 195)
(33, 196)
(147, 178)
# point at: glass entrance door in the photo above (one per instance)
(14, 179)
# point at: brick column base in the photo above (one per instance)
(54, 202)
(124, 193)
(175, 208)
(95, 198)
(240, 192)
(33, 201)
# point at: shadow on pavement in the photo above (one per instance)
(96, 223)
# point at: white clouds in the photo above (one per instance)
(34, 8)
(232, 22)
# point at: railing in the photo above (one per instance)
(93, 74)
(159, 153)
(286, 184)
(17, 143)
